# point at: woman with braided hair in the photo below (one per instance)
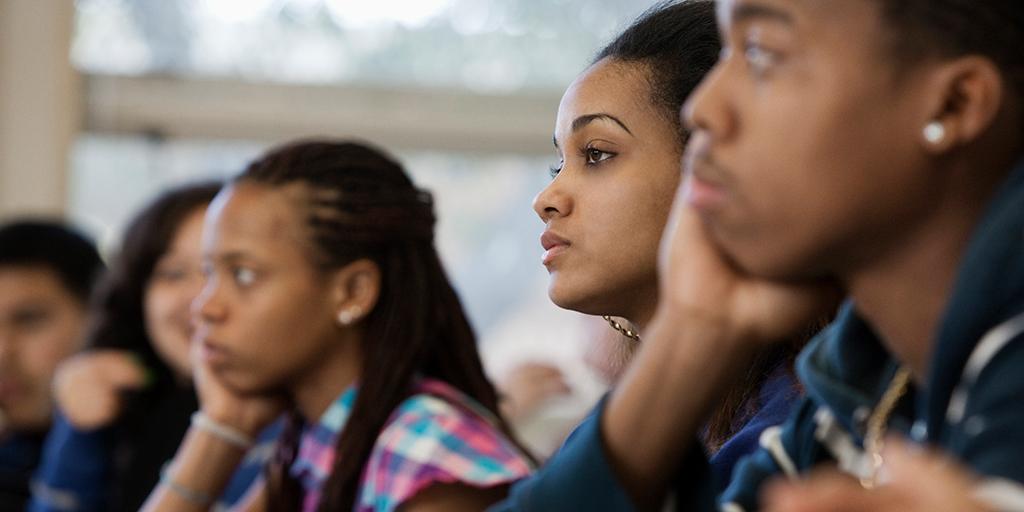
(325, 299)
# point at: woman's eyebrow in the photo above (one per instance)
(584, 120)
(580, 122)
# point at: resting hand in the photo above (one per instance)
(89, 387)
(697, 281)
(246, 413)
(529, 385)
(917, 482)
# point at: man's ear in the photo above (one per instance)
(964, 97)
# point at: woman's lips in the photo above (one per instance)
(213, 354)
(553, 245)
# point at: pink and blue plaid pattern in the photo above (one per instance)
(437, 435)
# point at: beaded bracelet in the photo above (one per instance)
(221, 431)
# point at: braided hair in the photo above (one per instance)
(362, 205)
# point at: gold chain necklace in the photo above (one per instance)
(625, 331)
(874, 441)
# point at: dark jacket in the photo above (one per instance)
(116, 468)
(578, 464)
(19, 456)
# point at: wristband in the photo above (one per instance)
(221, 431)
(198, 498)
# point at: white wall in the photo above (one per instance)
(39, 105)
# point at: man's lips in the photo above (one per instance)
(553, 246)
(705, 184)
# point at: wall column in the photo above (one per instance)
(39, 105)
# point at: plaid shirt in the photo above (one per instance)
(437, 435)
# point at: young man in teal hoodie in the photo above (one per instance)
(871, 145)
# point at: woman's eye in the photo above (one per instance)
(596, 156)
(244, 276)
(759, 58)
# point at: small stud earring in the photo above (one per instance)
(934, 132)
(347, 316)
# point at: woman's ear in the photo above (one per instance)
(356, 288)
(966, 97)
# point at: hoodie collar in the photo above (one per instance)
(988, 290)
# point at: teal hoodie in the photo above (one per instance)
(972, 407)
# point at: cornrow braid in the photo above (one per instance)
(401, 215)
(362, 205)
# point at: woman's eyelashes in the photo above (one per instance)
(759, 57)
(555, 169)
(594, 156)
(244, 276)
(590, 155)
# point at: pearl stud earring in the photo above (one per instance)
(934, 132)
(347, 316)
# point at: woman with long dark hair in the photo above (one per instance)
(325, 298)
(620, 142)
(125, 401)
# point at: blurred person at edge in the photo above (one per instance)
(47, 272)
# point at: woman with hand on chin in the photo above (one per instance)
(124, 403)
(325, 300)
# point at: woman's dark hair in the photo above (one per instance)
(362, 205)
(950, 28)
(119, 320)
(151, 424)
(677, 43)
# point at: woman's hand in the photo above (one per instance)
(207, 459)
(88, 387)
(246, 413)
(528, 386)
